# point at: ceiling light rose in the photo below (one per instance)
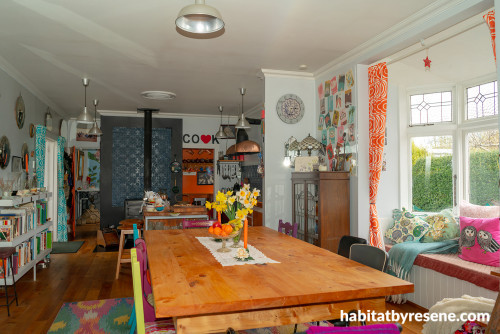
(242, 121)
(199, 18)
(85, 116)
(95, 128)
(220, 134)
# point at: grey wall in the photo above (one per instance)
(34, 113)
(112, 215)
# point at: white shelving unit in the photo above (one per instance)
(13, 202)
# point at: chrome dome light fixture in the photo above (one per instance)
(199, 18)
(95, 128)
(85, 116)
(220, 134)
(242, 121)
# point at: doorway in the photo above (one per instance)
(50, 182)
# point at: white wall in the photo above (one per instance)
(34, 114)
(278, 184)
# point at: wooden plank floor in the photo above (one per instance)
(83, 276)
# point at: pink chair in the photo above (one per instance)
(288, 229)
(142, 258)
(186, 223)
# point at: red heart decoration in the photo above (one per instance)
(206, 138)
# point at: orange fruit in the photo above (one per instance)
(217, 231)
(223, 234)
(228, 229)
(211, 229)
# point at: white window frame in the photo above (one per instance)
(458, 128)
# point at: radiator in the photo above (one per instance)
(431, 287)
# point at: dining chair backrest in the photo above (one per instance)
(346, 242)
(370, 256)
(148, 309)
(186, 223)
(287, 228)
(137, 286)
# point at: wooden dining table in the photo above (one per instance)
(309, 283)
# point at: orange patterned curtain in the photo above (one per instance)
(490, 21)
(377, 81)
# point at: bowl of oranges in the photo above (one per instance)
(224, 232)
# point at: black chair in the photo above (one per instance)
(346, 242)
(370, 256)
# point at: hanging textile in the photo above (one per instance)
(40, 154)
(377, 81)
(62, 215)
(490, 21)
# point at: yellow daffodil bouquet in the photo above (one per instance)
(237, 205)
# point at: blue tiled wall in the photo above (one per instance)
(128, 163)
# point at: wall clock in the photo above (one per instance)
(20, 112)
(290, 108)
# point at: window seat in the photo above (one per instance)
(453, 266)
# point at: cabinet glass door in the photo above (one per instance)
(306, 211)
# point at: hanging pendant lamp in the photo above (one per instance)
(85, 116)
(95, 128)
(242, 121)
(220, 134)
(199, 18)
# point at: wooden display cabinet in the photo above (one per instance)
(320, 204)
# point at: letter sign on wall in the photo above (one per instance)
(195, 139)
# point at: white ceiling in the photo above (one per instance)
(129, 46)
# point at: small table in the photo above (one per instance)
(166, 214)
(309, 283)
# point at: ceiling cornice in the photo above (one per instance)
(408, 32)
(288, 74)
(133, 113)
(27, 84)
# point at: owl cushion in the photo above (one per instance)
(442, 226)
(480, 240)
(407, 228)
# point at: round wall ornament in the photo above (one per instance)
(20, 112)
(290, 108)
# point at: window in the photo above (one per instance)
(431, 108)
(452, 160)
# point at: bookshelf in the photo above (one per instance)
(34, 242)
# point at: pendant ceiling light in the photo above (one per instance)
(85, 116)
(199, 19)
(95, 128)
(220, 134)
(242, 121)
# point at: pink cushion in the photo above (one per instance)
(479, 240)
(478, 211)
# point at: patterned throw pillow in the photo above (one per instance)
(442, 226)
(407, 228)
(480, 240)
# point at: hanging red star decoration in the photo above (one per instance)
(427, 63)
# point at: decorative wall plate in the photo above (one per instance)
(32, 130)
(20, 112)
(290, 108)
(4, 152)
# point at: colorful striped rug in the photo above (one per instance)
(111, 316)
(94, 316)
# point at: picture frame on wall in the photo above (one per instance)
(204, 178)
(16, 164)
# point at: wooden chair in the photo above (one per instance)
(186, 223)
(346, 242)
(126, 229)
(165, 326)
(288, 229)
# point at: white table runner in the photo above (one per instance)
(227, 259)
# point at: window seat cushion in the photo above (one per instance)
(452, 265)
